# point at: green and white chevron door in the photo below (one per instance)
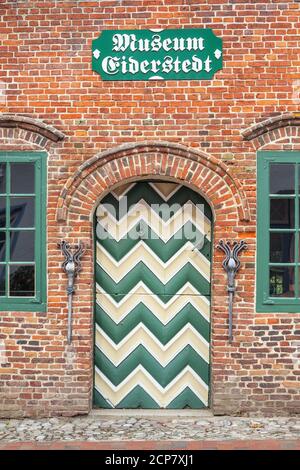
(152, 309)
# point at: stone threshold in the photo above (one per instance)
(156, 414)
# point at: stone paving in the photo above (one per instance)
(147, 428)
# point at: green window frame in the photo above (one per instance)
(37, 301)
(277, 258)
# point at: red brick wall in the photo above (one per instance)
(45, 73)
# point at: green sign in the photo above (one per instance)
(169, 54)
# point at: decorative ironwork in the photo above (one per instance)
(231, 265)
(71, 266)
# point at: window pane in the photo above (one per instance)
(282, 282)
(282, 178)
(2, 280)
(2, 211)
(282, 213)
(2, 178)
(21, 281)
(282, 247)
(2, 246)
(22, 245)
(22, 211)
(22, 178)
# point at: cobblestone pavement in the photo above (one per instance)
(146, 428)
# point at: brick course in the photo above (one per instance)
(97, 134)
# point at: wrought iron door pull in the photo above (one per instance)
(71, 266)
(231, 264)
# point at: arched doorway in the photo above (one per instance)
(152, 297)
(197, 170)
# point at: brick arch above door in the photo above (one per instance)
(167, 162)
(202, 172)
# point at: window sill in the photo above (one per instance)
(278, 308)
(24, 307)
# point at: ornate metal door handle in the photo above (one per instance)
(231, 264)
(71, 266)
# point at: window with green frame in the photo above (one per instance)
(278, 206)
(23, 231)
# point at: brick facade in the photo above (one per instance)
(204, 134)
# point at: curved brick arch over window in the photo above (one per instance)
(172, 161)
(275, 129)
(14, 127)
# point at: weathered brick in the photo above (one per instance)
(98, 134)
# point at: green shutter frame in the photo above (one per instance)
(264, 302)
(39, 302)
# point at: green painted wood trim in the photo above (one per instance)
(138, 398)
(265, 303)
(163, 375)
(99, 401)
(143, 191)
(165, 250)
(38, 303)
(142, 315)
(141, 272)
(186, 399)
